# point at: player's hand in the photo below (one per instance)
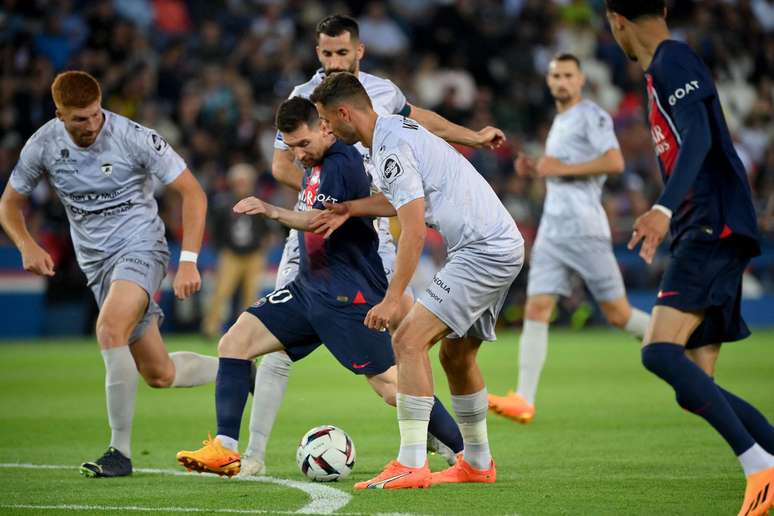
(334, 216)
(524, 166)
(489, 138)
(650, 229)
(382, 316)
(187, 280)
(254, 206)
(549, 166)
(36, 260)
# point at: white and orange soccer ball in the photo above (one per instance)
(326, 453)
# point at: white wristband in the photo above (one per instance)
(663, 209)
(188, 256)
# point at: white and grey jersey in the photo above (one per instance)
(411, 163)
(573, 205)
(106, 188)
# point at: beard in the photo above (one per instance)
(351, 69)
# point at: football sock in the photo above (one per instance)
(444, 428)
(471, 413)
(637, 324)
(192, 369)
(696, 392)
(271, 381)
(228, 442)
(120, 390)
(231, 389)
(755, 459)
(755, 422)
(413, 418)
(533, 347)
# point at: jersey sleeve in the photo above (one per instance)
(400, 105)
(601, 131)
(398, 176)
(684, 79)
(154, 154)
(29, 170)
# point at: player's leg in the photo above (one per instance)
(443, 434)
(753, 420)
(664, 355)
(226, 280)
(271, 379)
(621, 314)
(122, 308)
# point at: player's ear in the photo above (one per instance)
(343, 112)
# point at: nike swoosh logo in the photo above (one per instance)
(668, 293)
(381, 483)
(361, 366)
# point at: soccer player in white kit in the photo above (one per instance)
(101, 166)
(574, 235)
(338, 49)
(428, 183)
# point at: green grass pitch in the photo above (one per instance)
(608, 437)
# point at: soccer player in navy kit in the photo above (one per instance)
(706, 204)
(340, 279)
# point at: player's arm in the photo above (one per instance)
(187, 281)
(328, 221)
(34, 258)
(410, 244)
(285, 170)
(489, 137)
(611, 162)
(651, 228)
(300, 220)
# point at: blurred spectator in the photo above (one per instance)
(240, 241)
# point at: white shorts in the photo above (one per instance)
(468, 293)
(553, 262)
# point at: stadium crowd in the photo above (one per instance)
(209, 75)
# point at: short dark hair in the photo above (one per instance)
(340, 86)
(336, 25)
(566, 56)
(634, 9)
(295, 112)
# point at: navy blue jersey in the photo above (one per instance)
(705, 184)
(345, 267)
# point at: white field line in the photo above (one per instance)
(324, 499)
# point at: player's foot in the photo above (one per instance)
(398, 476)
(759, 494)
(434, 445)
(251, 466)
(512, 406)
(113, 463)
(462, 472)
(212, 458)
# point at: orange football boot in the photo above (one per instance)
(512, 406)
(759, 494)
(212, 458)
(398, 476)
(462, 472)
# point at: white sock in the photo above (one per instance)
(756, 459)
(120, 391)
(271, 380)
(637, 324)
(413, 418)
(471, 414)
(533, 348)
(192, 369)
(228, 442)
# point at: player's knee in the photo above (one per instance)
(661, 360)
(232, 344)
(110, 334)
(389, 395)
(404, 346)
(538, 310)
(159, 379)
(617, 318)
(275, 364)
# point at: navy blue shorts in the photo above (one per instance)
(706, 276)
(301, 323)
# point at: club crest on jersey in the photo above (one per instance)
(391, 168)
(107, 169)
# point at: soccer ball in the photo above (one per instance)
(325, 454)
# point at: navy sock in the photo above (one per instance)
(696, 391)
(755, 422)
(231, 388)
(443, 427)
